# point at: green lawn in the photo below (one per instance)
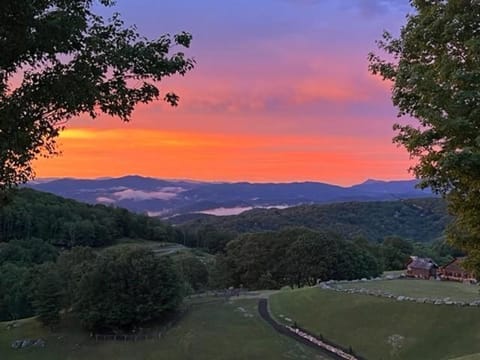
(469, 357)
(421, 288)
(380, 328)
(218, 330)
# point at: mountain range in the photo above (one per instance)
(166, 198)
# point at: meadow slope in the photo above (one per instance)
(211, 330)
(380, 328)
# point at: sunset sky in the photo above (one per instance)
(281, 92)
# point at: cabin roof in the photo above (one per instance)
(421, 263)
(455, 265)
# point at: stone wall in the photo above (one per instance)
(336, 286)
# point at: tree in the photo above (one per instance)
(395, 252)
(14, 292)
(69, 61)
(72, 265)
(193, 271)
(435, 70)
(125, 287)
(311, 257)
(47, 295)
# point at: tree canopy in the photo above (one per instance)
(126, 287)
(67, 223)
(293, 257)
(435, 70)
(60, 60)
(422, 220)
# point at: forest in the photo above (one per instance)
(418, 220)
(67, 223)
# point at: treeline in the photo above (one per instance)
(118, 288)
(299, 257)
(419, 220)
(67, 223)
(293, 257)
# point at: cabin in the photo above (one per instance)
(454, 271)
(421, 268)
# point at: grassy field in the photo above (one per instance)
(380, 328)
(421, 288)
(218, 330)
(164, 248)
(469, 357)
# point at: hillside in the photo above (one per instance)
(421, 220)
(63, 222)
(379, 328)
(211, 329)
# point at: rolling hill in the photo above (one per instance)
(421, 220)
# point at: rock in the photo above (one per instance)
(17, 344)
(39, 343)
(11, 325)
(26, 343)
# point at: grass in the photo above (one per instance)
(164, 248)
(210, 330)
(421, 288)
(469, 357)
(371, 324)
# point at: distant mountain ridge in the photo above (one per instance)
(166, 198)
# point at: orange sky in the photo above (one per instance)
(90, 153)
(273, 98)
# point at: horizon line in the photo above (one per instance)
(219, 181)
